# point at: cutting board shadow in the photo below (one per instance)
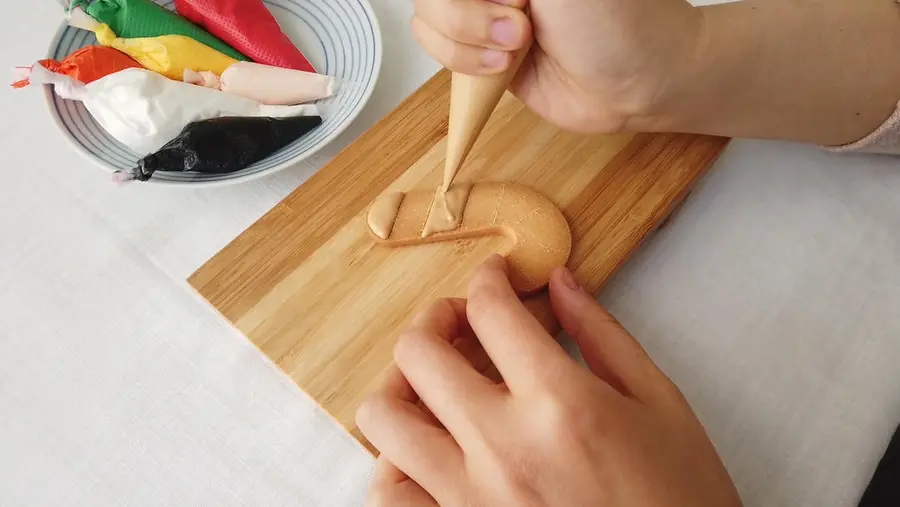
(308, 286)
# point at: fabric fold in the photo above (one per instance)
(885, 139)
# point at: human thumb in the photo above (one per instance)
(610, 351)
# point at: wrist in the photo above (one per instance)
(819, 73)
(684, 91)
(693, 83)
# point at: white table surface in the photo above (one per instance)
(772, 300)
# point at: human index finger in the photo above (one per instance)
(518, 345)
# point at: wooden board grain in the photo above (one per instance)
(308, 286)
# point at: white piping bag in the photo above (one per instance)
(144, 110)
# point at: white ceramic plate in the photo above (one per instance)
(341, 38)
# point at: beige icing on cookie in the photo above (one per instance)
(446, 209)
(538, 235)
(383, 212)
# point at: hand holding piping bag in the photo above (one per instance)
(591, 61)
(600, 66)
(473, 98)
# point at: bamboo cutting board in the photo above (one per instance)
(308, 286)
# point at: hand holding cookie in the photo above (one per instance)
(552, 433)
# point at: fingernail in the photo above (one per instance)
(569, 280)
(503, 32)
(493, 58)
(496, 260)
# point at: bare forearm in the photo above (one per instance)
(819, 71)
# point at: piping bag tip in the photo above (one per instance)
(328, 111)
(338, 86)
(77, 18)
(123, 176)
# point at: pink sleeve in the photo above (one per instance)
(884, 139)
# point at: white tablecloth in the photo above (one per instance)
(772, 300)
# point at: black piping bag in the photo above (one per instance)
(221, 145)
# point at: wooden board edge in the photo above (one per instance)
(539, 304)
